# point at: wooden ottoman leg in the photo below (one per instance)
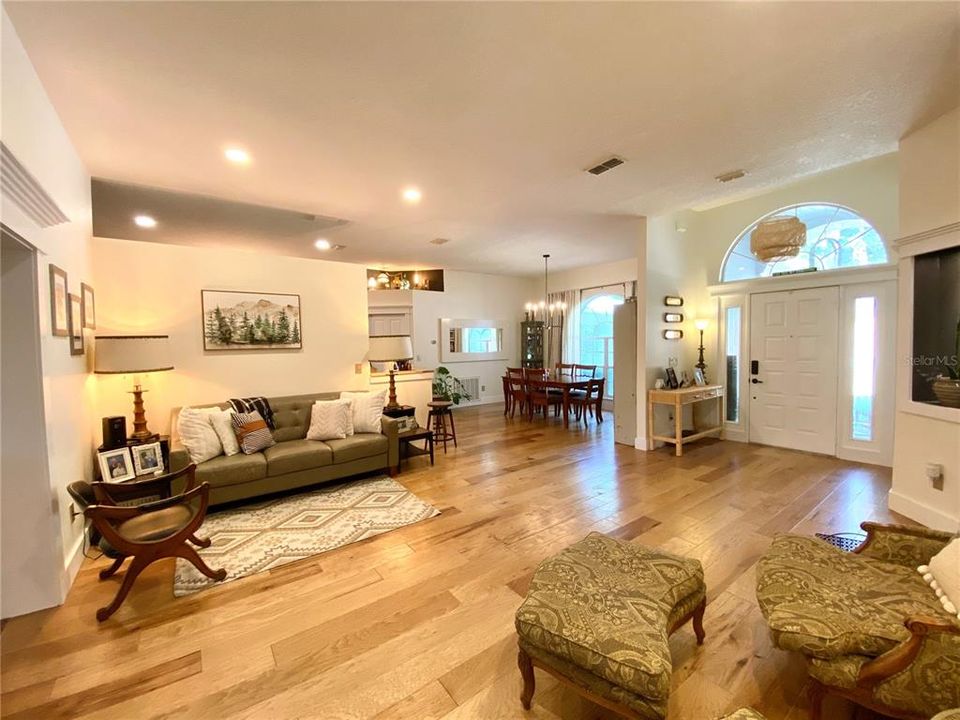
(698, 621)
(529, 681)
(815, 696)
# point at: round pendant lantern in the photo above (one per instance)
(778, 237)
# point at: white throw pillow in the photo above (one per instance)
(943, 575)
(367, 410)
(222, 423)
(197, 434)
(329, 420)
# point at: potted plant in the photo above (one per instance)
(947, 387)
(448, 387)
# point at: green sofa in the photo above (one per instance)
(294, 461)
(869, 626)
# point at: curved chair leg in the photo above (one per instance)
(136, 567)
(188, 553)
(199, 542)
(529, 681)
(107, 572)
(815, 695)
(698, 621)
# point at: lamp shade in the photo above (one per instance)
(390, 347)
(129, 354)
(701, 324)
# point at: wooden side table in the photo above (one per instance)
(406, 438)
(677, 399)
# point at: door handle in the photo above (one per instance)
(755, 381)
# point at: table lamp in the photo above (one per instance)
(391, 348)
(133, 355)
(701, 325)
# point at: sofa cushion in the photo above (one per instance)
(823, 602)
(358, 446)
(295, 455)
(604, 606)
(232, 470)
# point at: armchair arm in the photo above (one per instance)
(902, 544)
(903, 655)
(390, 427)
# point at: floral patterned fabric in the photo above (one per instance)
(825, 603)
(902, 545)
(744, 714)
(605, 607)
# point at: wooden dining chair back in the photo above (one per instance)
(539, 395)
(516, 394)
(585, 372)
(583, 403)
(534, 373)
(566, 370)
(150, 531)
(598, 400)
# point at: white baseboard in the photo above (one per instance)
(640, 443)
(71, 565)
(931, 517)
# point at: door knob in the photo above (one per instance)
(755, 381)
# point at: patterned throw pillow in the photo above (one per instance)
(258, 404)
(943, 576)
(197, 434)
(367, 410)
(329, 420)
(253, 435)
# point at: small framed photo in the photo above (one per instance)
(89, 306)
(672, 381)
(116, 465)
(672, 334)
(673, 317)
(147, 459)
(673, 301)
(698, 377)
(59, 303)
(75, 322)
(407, 424)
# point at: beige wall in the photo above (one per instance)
(587, 277)
(929, 200)
(32, 131)
(154, 288)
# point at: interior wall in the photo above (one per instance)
(586, 277)
(33, 132)
(929, 201)
(471, 296)
(155, 288)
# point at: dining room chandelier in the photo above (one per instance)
(778, 237)
(544, 310)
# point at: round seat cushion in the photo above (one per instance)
(156, 525)
(606, 607)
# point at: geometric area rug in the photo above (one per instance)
(265, 535)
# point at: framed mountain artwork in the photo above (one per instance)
(250, 320)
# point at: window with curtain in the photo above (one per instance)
(596, 329)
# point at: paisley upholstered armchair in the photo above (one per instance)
(871, 629)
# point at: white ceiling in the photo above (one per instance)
(493, 109)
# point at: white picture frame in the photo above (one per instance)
(116, 465)
(147, 459)
(698, 377)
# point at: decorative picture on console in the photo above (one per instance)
(147, 459)
(116, 465)
(250, 321)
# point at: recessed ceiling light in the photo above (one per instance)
(412, 195)
(145, 221)
(236, 155)
(322, 244)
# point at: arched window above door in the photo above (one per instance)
(836, 237)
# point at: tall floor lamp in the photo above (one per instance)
(391, 348)
(701, 325)
(133, 355)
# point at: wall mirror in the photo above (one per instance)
(465, 340)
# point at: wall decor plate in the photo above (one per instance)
(237, 320)
(673, 301)
(673, 317)
(672, 334)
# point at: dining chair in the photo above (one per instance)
(507, 391)
(516, 392)
(584, 402)
(538, 395)
(150, 531)
(598, 400)
(566, 370)
(585, 372)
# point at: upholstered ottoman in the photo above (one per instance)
(598, 616)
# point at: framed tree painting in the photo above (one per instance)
(250, 321)
(88, 305)
(76, 325)
(59, 303)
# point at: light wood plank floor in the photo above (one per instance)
(418, 623)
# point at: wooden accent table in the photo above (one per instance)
(677, 399)
(408, 437)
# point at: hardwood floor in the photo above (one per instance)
(418, 623)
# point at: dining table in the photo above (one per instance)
(559, 382)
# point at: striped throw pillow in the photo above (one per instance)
(257, 404)
(252, 432)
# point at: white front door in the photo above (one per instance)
(793, 369)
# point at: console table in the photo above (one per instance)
(677, 399)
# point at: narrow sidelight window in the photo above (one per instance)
(733, 363)
(864, 367)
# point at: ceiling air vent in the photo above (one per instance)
(732, 175)
(440, 241)
(22, 188)
(605, 165)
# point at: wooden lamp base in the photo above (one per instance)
(392, 403)
(140, 431)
